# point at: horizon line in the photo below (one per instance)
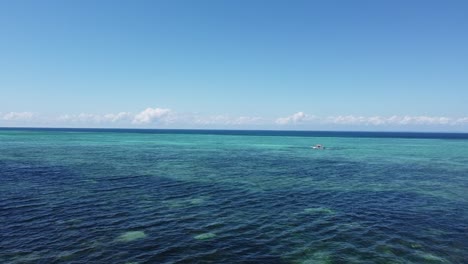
(233, 129)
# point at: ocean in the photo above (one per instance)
(215, 196)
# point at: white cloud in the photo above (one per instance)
(376, 120)
(400, 121)
(349, 119)
(425, 120)
(295, 118)
(152, 115)
(167, 118)
(122, 116)
(247, 120)
(393, 120)
(148, 116)
(226, 120)
(463, 120)
(94, 118)
(17, 116)
(208, 120)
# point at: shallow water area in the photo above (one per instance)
(119, 196)
(131, 236)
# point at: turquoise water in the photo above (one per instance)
(89, 196)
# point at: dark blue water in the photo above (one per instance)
(283, 133)
(182, 196)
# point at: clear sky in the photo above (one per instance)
(341, 65)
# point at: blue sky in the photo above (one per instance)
(341, 65)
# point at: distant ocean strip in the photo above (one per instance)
(291, 133)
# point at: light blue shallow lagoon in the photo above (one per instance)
(187, 196)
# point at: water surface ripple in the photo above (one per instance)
(74, 196)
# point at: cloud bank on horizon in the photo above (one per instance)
(167, 118)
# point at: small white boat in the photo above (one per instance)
(318, 146)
